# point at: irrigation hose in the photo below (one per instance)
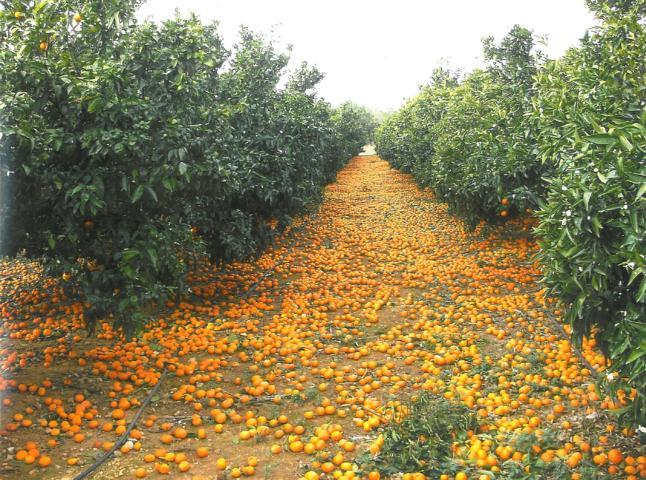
(125, 435)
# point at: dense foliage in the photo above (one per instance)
(568, 137)
(128, 149)
(591, 118)
(422, 437)
(469, 140)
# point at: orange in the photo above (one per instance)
(180, 433)
(202, 452)
(162, 468)
(615, 456)
(118, 413)
(296, 446)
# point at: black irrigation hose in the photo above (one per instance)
(125, 435)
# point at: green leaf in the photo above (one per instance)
(641, 292)
(139, 191)
(633, 220)
(596, 225)
(586, 199)
(152, 254)
(152, 193)
(602, 139)
(636, 273)
(167, 183)
(570, 252)
(40, 5)
(602, 177)
(94, 104)
(640, 192)
(130, 254)
(637, 353)
(128, 271)
(625, 143)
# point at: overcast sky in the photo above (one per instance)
(376, 53)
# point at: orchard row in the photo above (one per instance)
(565, 138)
(128, 150)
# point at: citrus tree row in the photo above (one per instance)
(565, 138)
(128, 149)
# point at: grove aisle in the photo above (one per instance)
(291, 365)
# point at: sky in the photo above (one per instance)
(377, 53)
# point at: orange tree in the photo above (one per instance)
(592, 123)
(350, 118)
(567, 136)
(127, 149)
(407, 137)
(470, 140)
